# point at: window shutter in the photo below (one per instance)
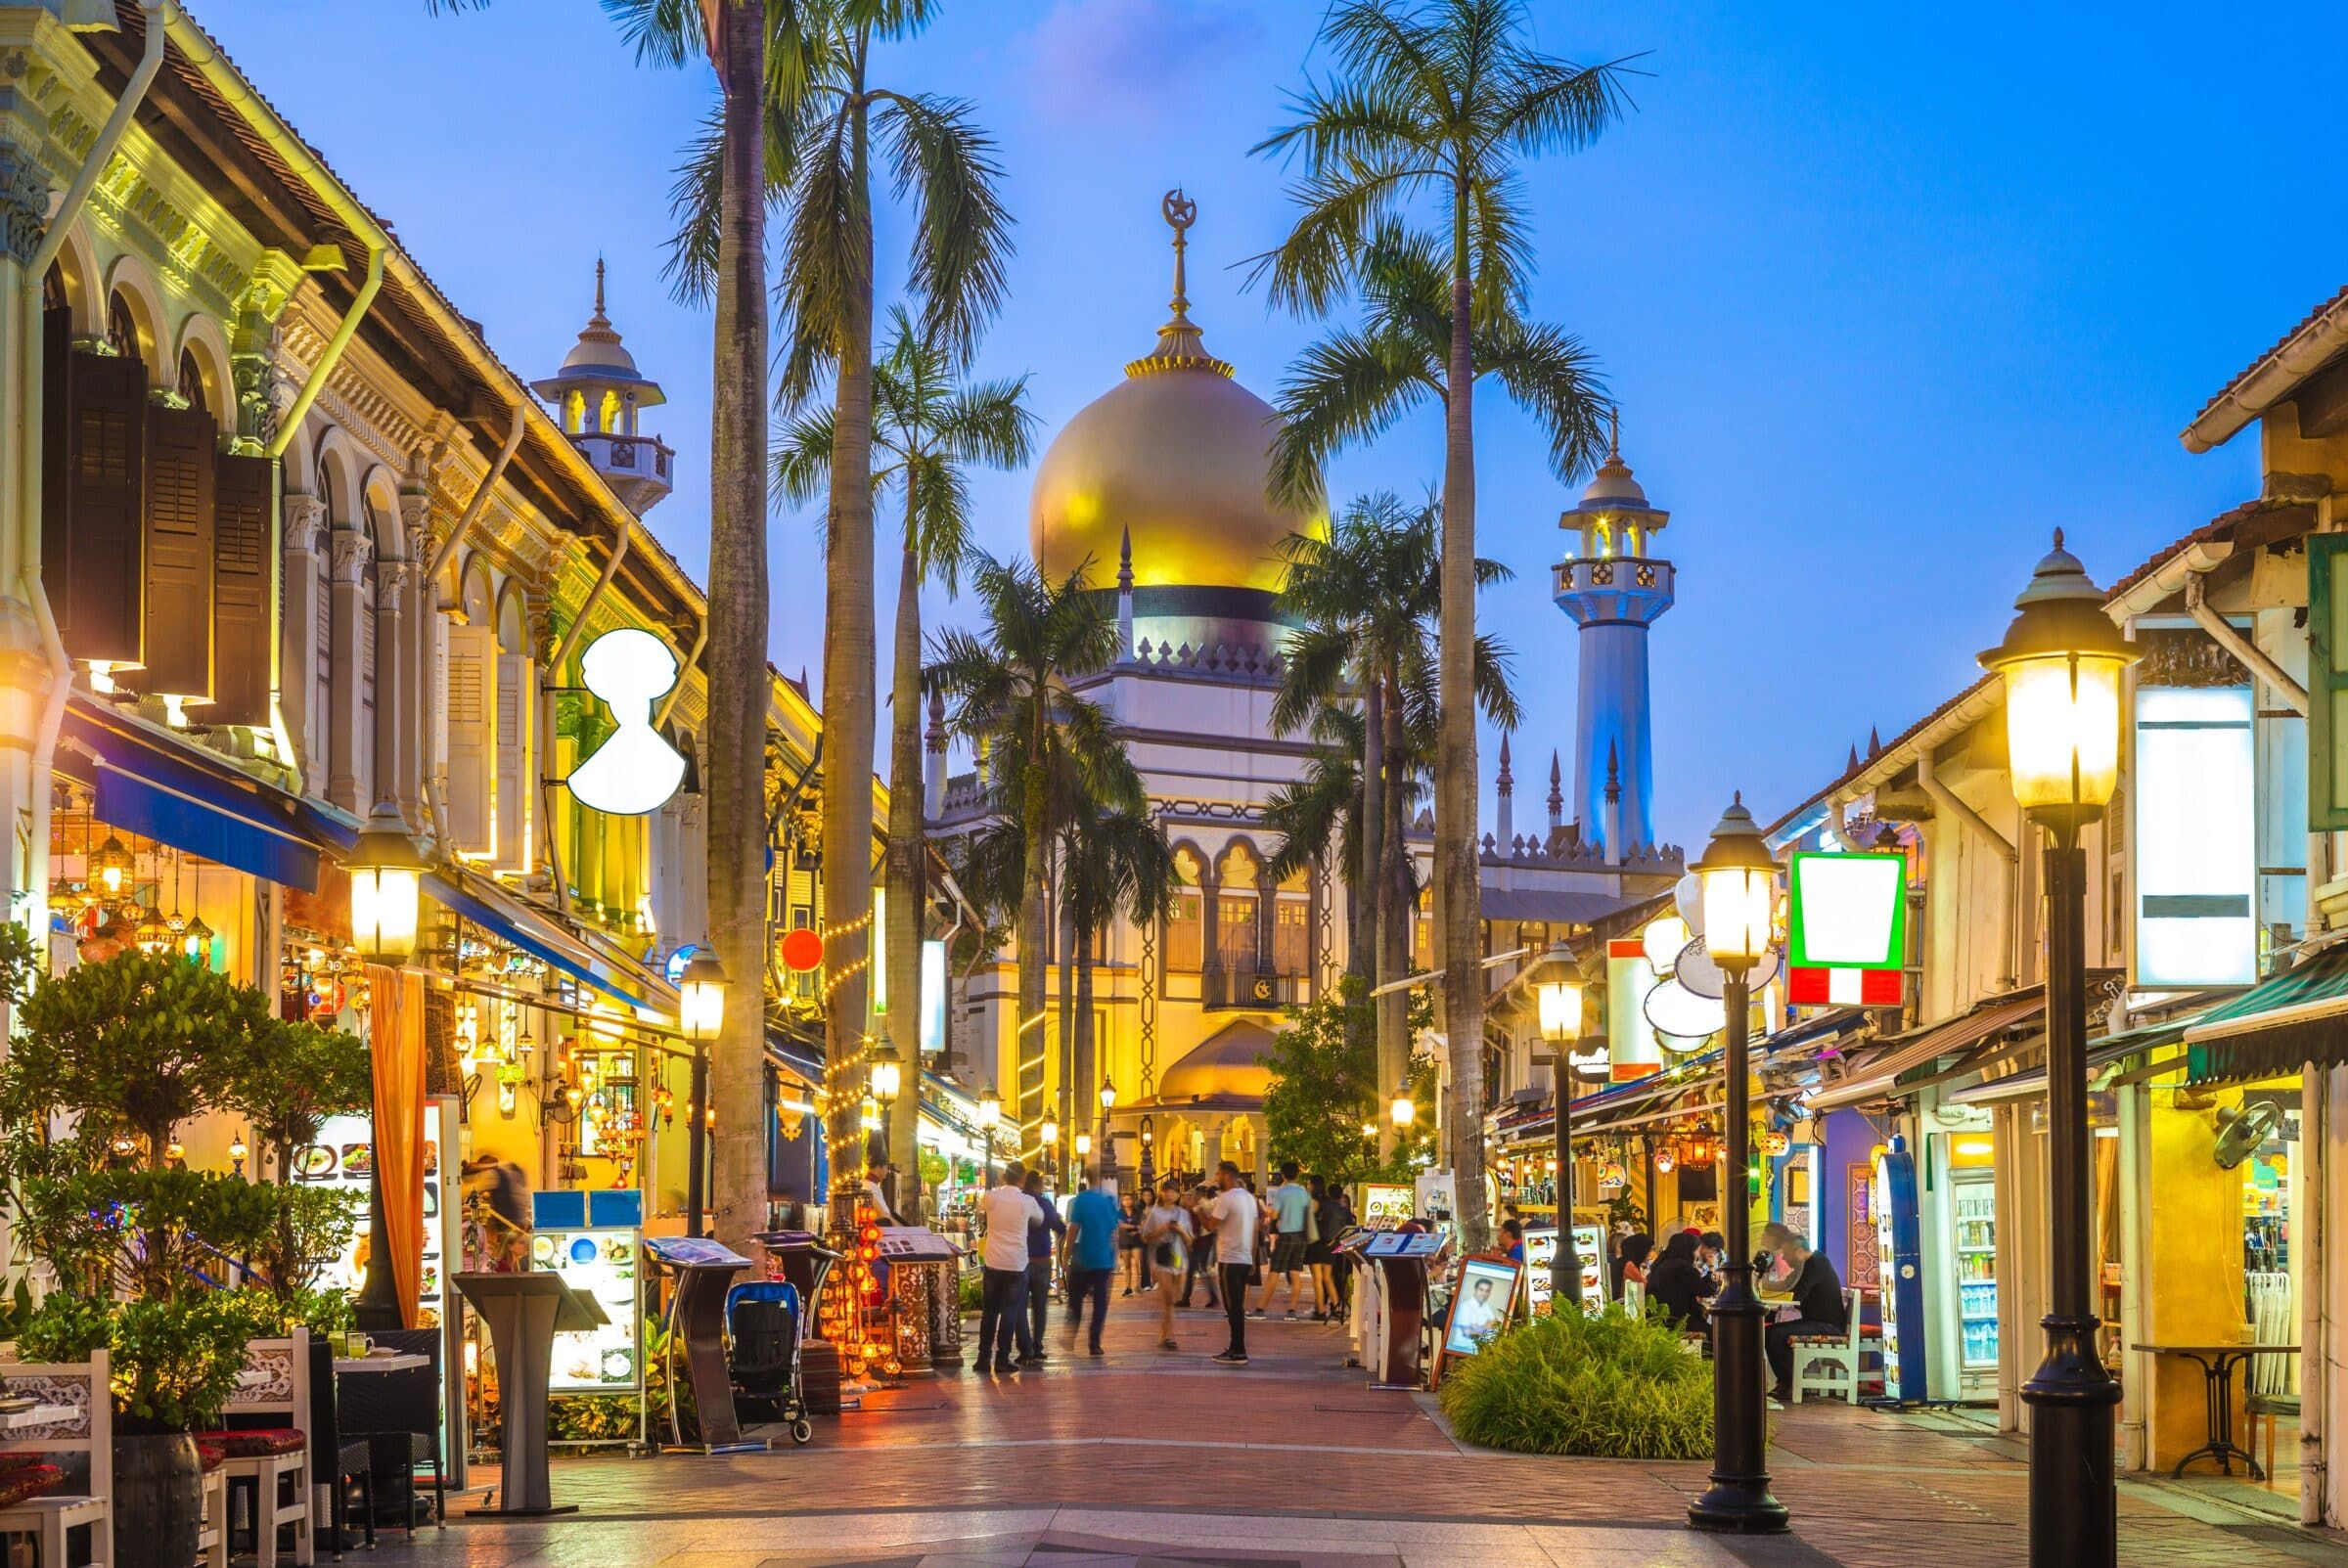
(242, 572)
(473, 735)
(2327, 682)
(179, 553)
(57, 463)
(321, 666)
(517, 762)
(101, 545)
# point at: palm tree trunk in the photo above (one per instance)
(739, 684)
(908, 854)
(1067, 1015)
(1088, 1084)
(1027, 1044)
(849, 683)
(1392, 874)
(1456, 925)
(1369, 892)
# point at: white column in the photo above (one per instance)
(298, 631)
(393, 741)
(351, 550)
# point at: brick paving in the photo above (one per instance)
(1152, 1434)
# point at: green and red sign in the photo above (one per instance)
(1847, 935)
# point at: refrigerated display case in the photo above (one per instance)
(1973, 1235)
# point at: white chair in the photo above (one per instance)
(276, 1460)
(211, 1537)
(49, 1517)
(1831, 1363)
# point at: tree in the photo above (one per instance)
(1369, 595)
(1439, 103)
(930, 428)
(1011, 691)
(1112, 864)
(829, 118)
(758, 49)
(293, 1077)
(1325, 1090)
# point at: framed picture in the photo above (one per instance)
(1480, 1306)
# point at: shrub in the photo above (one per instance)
(173, 1363)
(1609, 1386)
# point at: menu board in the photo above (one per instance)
(1385, 1206)
(601, 1264)
(1540, 1258)
(1589, 1243)
(343, 1158)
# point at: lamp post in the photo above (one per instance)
(990, 1114)
(1560, 1002)
(2062, 663)
(1049, 1134)
(387, 893)
(700, 1010)
(1108, 1102)
(1737, 879)
(885, 1076)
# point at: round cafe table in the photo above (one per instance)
(2217, 1363)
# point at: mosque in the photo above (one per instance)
(1164, 474)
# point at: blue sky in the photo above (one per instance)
(1884, 297)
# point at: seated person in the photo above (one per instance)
(1820, 1307)
(1674, 1286)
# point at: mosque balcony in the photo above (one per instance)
(1613, 588)
(644, 456)
(1247, 990)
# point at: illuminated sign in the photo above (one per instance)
(933, 997)
(2196, 846)
(635, 771)
(1847, 929)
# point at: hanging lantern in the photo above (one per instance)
(153, 933)
(196, 940)
(1666, 1160)
(1774, 1144)
(109, 867)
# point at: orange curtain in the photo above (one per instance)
(396, 1018)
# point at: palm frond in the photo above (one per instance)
(801, 458)
(694, 197)
(827, 256)
(1349, 387)
(1553, 375)
(663, 33)
(945, 165)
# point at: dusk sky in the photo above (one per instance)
(1884, 297)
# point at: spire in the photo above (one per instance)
(1614, 415)
(1874, 742)
(598, 319)
(1556, 791)
(936, 736)
(1851, 763)
(1125, 559)
(1508, 779)
(1179, 346)
(1613, 772)
(1507, 801)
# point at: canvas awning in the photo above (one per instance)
(1878, 1076)
(2277, 1027)
(483, 902)
(2031, 1082)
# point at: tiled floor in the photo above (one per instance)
(1156, 1458)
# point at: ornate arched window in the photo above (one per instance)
(1235, 877)
(122, 327)
(191, 383)
(1186, 923)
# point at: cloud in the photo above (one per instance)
(1133, 60)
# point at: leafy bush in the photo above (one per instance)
(173, 1363)
(161, 1234)
(1610, 1386)
(306, 1232)
(289, 1079)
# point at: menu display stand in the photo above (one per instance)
(924, 1273)
(696, 1314)
(1398, 1264)
(525, 1312)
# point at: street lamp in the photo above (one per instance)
(1049, 1134)
(1736, 882)
(886, 1074)
(1560, 1002)
(701, 1013)
(386, 887)
(990, 1115)
(1108, 1102)
(1403, 1112)
(2062, 663)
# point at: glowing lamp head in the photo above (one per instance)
(887, 1072)
(1560, 1010)
(990, 1111)
(1050, 1133)
(1084, 1144)
(702, 996)
(1403, 1110)
(237, 1149)
(109, 867)
(1108, 1095)
(2062, 663)
(387, 888)
(1739, 881)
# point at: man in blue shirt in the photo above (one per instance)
(1093, 1221)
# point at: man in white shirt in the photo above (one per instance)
(1237, 1212)
(1004, 1211)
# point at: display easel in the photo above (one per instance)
(697, 1318)
(525, 1312)
(1395, 1269)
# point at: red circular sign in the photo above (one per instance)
(803, 950)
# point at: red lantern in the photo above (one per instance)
(803, 950)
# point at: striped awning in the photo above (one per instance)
(1879, 1077)
(2277, 1027)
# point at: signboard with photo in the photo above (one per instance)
(1386, 1205)
(1480, 1306)
(343, 1158)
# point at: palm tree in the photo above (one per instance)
(1440, 103)
(827, 120)
(1370, 596)
(1012, 690)
(927, 428)
(754, 48)
(1114, 864)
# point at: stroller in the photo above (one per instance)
(765, 1322)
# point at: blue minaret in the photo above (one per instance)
(1614, 589)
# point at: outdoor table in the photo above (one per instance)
(395, 1362)
(2217, 1362)
(38, 1415)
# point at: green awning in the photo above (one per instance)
(2277, 1027)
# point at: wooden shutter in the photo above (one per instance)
(56, 463)
(179, 553)
(322, 664)
(242, 572)
(96, 584)
(2327, 682)
(517, 761)
(473, 735)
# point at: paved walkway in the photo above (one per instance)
(1160, 1457)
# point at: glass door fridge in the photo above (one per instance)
(1974, 1235)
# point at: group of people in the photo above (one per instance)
(1797, 1284)
(1178, 1232)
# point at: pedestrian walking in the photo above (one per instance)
(1201, 1263)
(1320, 1255)
(1340, 1219)
(1287, 1215)
(1237, 1212)
(1092, 1223)
(1004, 1212)
(1046, 1225)
(1166, 1237)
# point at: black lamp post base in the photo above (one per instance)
(2074, 1514)
(1739, 1506)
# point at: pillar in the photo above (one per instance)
(303, 516)
(394, 748)
(422, 699)
(347, 570)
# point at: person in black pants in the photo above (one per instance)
(1046, 1225)
(1237, 1214)
(1003, 1214)
(1817, 1299)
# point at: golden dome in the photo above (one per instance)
(1231, 1062)
(1177, 454)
